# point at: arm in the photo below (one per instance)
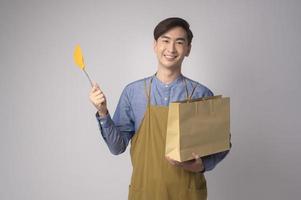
(116, 133)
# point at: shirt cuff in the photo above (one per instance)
(104, 122)
(207, 163)
(212, 160)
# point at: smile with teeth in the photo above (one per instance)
(170, 56)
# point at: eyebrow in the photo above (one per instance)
(180, 38)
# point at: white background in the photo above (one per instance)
(50, 145)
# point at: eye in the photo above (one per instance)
(165, 41)
(180, 42)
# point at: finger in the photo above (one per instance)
(95, 88)
(174, 162)
(196, 156)
(101, 100)
(92, 90)
(100, 96)
(97, 92)
(170, 160)
(95, 84)
(167, 157)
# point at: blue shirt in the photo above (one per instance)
(117, 132)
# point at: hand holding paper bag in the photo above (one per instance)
(195, 165)
(201, 126)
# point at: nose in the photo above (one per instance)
(171, 47)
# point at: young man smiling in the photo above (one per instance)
(141, 117)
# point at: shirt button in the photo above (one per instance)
(165, 98)
(101, 123)
(166, 85)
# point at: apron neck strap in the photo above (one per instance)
(189, 97)
(148, 91)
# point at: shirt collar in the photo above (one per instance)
(178, 80)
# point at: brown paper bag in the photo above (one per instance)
(200, 126)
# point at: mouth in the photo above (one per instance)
(170, 57)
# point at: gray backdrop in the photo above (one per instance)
(50, 143)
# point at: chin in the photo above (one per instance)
(171, 66)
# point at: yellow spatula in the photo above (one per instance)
(79, 61)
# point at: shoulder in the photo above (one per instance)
(136, 87)
(138, 83)
(200, 89)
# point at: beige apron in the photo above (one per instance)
(153, 177)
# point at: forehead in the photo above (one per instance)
(175, 33)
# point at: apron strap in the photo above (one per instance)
(188, 97)
(186, 88)
(148, 91)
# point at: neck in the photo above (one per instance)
(168, 75)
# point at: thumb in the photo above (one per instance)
(196, 157)
(95, 85)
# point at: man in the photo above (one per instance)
(141, 116)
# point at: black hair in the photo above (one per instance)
(170, 23)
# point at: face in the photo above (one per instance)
(172, 47)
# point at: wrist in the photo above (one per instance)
(103, 113)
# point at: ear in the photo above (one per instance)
(188, 50)
(155, 45)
